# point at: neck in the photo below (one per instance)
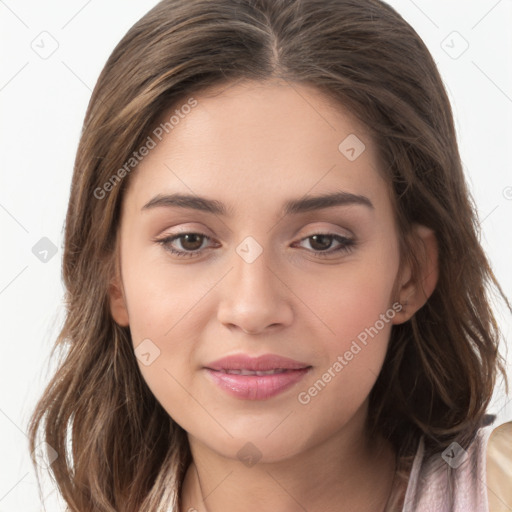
(349, 471)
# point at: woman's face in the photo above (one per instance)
(268, 268)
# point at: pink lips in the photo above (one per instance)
(242, 376)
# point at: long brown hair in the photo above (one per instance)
(118, 448)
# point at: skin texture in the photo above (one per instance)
(254, 146)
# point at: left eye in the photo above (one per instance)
(324, 241)
(192, 243)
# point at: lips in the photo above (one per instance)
(258, 378)
(265, 363)
(253, 372)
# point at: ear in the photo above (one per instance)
(117, 301)
(414, 291)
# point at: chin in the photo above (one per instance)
(253, 445)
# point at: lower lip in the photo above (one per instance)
(256, 387)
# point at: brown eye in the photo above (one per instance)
(320, 244)
(191, 241)
(191, 244)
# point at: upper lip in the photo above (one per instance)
(261, 363)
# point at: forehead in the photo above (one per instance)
(252, 141)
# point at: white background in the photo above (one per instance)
(43, 103)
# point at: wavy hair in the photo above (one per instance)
(118, 448)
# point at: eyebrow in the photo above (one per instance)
(293, 206)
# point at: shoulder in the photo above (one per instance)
(477, 478)
(499, 468)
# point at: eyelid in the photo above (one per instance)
(321, 228)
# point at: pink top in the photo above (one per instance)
(451, 481)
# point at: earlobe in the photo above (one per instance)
(117, 302)
(416, 289)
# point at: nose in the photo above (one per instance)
(255, 298)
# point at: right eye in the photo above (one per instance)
(191, 244)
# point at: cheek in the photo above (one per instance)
(359, 305)
(162, 308)
(357, 312)
(354, 298)
(160, 294)
(352, 357)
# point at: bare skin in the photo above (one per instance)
(254, 146)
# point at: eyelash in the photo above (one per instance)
(347, 244)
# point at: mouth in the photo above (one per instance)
(261, 378)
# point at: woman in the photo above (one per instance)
(276, 294)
